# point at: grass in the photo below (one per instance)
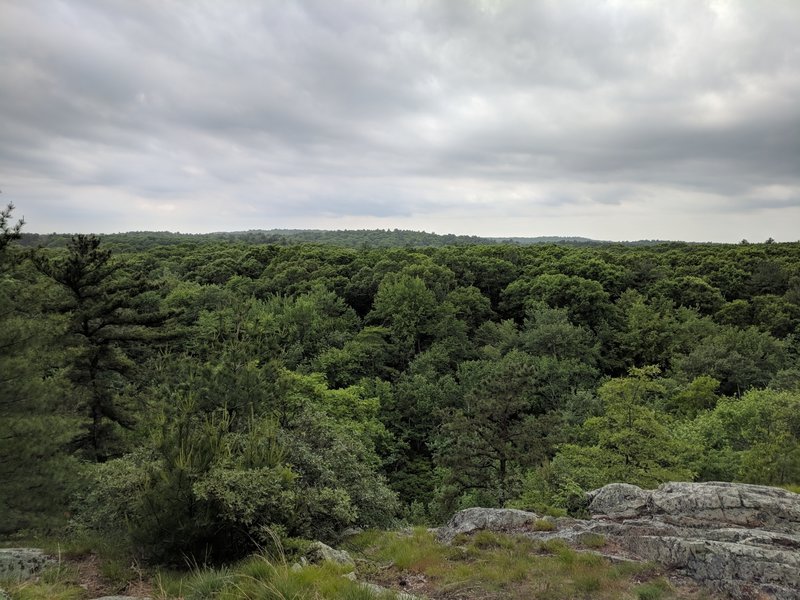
(260, 578)
(592, 540)
(543, 525)
(59, 582)
(485, 565)
(493, 566)
(653, 590)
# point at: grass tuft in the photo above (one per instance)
(543, 525)
(592, 540)
(653, 590)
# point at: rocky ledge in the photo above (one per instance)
(742, 540)
(22, 563)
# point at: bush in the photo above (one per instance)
(203, 490)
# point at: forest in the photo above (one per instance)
(199, 397)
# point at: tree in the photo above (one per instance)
(755, 438)
(498, 427)
(103, 319)
(698, 396)
(409, 310)
(586, 301)
(630, 443)
(691, 292)
(549, 332)
(8, 232)
(34, 471)
(739, 358)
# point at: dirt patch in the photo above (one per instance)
(91, 578)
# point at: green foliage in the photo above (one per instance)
(739, 359)
(543, 525)
(700, 395)
(9, 232)
(692, 292)
(505, 422)
(755, 438)
(299, 389)
(212, 482)
(654, 590)
(37, 477)
(493, 565)
(631, 442)
(103, 318)
(264, 577)
(585, 300)
(409, 310)
(549, 332)
(592, 540)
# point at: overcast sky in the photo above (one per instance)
(626, 119)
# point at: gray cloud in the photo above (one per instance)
(613, 119)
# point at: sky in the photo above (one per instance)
(616, 119)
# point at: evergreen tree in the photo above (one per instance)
(104, 320)
(32, 469)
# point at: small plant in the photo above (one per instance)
(543, 525)
(588, 583)
(653, 590)
(593, 540)
(207, 583)
(60, 574)
(555, 546)
(362, 541)
(485, 540)
(117, 572)
(44, 591)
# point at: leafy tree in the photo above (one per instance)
(739, 359)
(768, 277)
(365, 355)
(549, 332)
(196, 489)
(586, 301)
(691, 292)
(409, 310)
(471, 306)
(413, 413)
(755, 438)
(631, 442)
(700, 395)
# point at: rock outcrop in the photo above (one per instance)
(319, 553)
(742, 540)
(22, 563)
(492, 519)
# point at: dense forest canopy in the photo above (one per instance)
(197, 394)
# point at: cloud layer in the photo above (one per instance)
(615, 120)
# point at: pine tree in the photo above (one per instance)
(104, 322)
(33, 467)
